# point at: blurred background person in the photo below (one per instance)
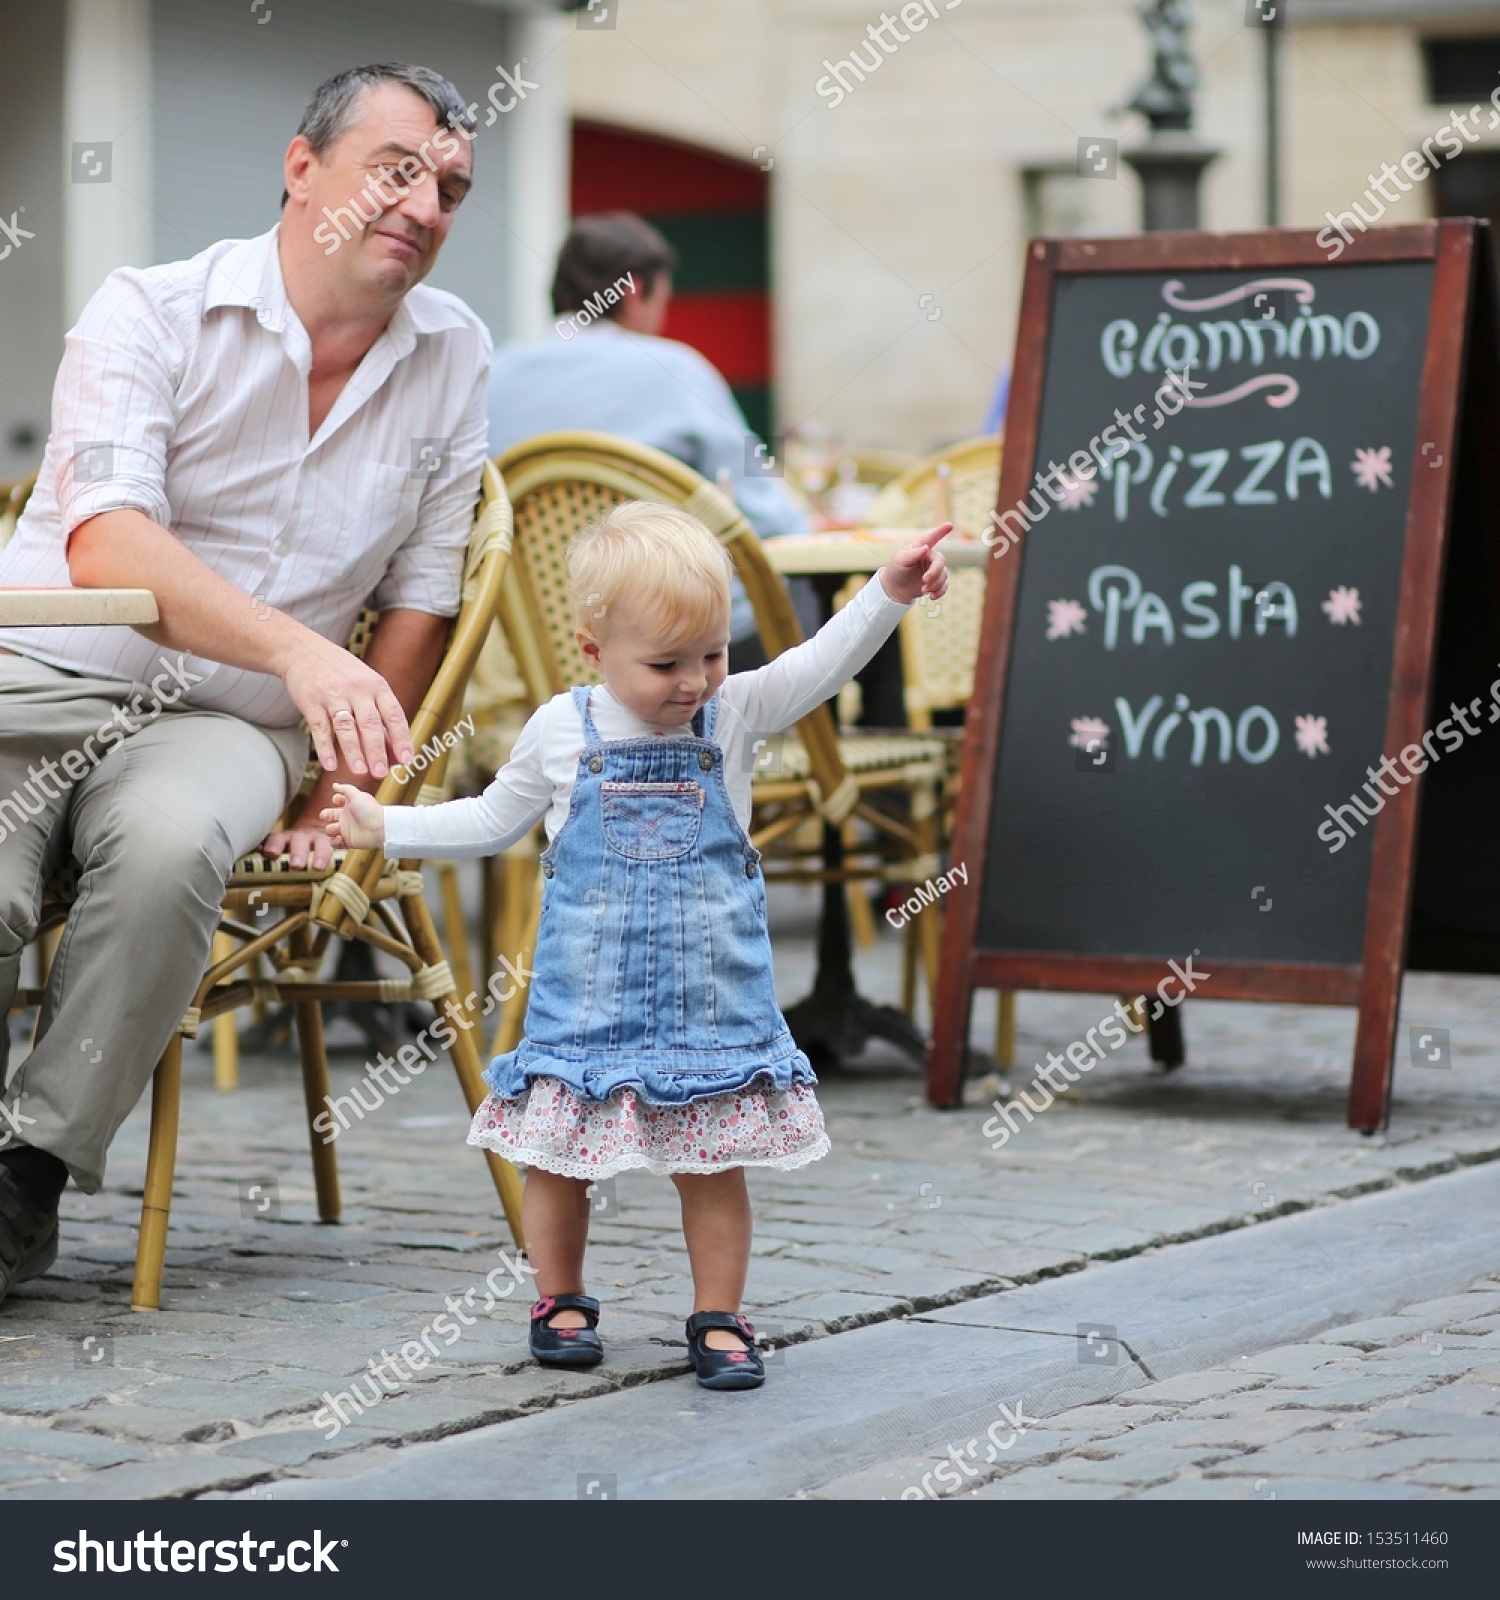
(605, 366)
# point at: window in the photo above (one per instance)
(1461, 69)
(1060, 204)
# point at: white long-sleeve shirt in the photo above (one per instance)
(754, 707)
(183, 394)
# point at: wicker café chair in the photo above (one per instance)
(958, 484)
(13, 498)
(876, 465)
(557, 481)
(497, 704)
(940, 646)
(358, 897)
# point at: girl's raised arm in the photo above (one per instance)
(777, 694)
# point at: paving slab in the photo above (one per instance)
(912, 1211)
(934, 1377)
(1136, 1469)
(1179, 1309)
(83, 1449)
(1252, 1432)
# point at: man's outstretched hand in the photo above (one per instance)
(918, 569)
(405, 651)
(350, 709)
(356, 722)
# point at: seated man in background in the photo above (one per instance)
(614, 373)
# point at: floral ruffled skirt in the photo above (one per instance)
(553, 1128)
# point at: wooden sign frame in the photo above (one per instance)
(1374, 985)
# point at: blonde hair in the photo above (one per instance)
(670, 570)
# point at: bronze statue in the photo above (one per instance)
(1166, 98)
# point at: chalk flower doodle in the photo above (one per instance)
(1089, 732)
(1312, 736)
(1342, 605)
(1064, 617)
(1076, 492)
(1372, 468)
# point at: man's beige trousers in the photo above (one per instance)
(167, 800)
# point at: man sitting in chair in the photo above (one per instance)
(264, 436)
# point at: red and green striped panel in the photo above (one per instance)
(713, 210)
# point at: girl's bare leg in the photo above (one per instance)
(717, 1224)
(555, 1215)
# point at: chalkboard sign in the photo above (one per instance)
(1211, 616)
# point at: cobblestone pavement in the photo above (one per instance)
(1397, 1407)
(266, 1311)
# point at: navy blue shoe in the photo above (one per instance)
(724, 1369)
(565, 1347)
(28, 1231)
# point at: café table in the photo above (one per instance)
(76, 608)
(835, 1020)
(858, 550)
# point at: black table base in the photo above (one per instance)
(1165, 1038)
(835, 1021)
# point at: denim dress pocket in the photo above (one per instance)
(651, 821)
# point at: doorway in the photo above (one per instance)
(713, 211)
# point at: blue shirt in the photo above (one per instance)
(655, 391)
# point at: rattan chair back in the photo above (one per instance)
(13, 498)
(485, 563)
(940, 646)
(557, 482)
(878, 466)
(958, 484)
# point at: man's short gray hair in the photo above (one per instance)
(332, 107)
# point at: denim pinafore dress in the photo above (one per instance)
(653, 961)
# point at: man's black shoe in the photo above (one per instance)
(28, 1231)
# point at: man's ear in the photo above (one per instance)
(299, 157)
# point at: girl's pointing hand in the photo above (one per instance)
(917, 569)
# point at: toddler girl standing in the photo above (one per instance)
(652, 1034)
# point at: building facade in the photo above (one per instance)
(856, 265)
(139, 131)
(904, 185)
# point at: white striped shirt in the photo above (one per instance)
(183, 394)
